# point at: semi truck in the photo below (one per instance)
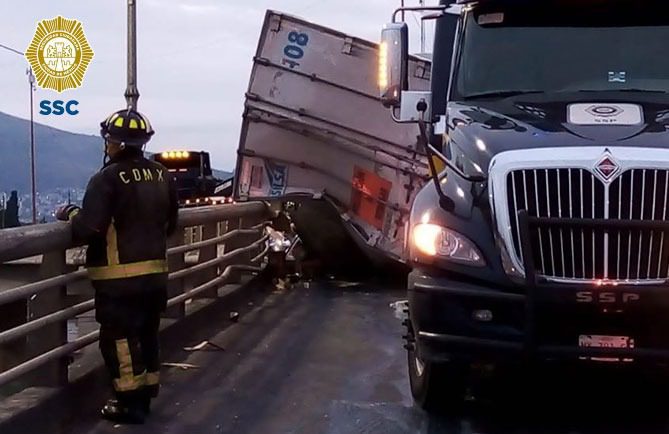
(521, 180)
(543, 233)
(194, 178)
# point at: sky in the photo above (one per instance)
(195, 59)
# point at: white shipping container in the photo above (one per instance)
(314, 125)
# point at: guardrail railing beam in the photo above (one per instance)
(27, 241)
(238, 229)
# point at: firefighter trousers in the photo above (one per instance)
(129, 326)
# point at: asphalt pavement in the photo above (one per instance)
(329, 359)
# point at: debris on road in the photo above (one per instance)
(400, 309)
(344, 284)
(204, 346)
(182, 366)
(282, 285)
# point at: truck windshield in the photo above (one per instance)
(562, 48)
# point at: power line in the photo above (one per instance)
(20, 53)
(415, 18)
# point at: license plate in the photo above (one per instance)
(602, 341)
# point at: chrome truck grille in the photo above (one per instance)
(585, 183)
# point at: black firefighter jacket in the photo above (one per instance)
(129, 210)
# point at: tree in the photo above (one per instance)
(12, 211)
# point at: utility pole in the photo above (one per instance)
(31, 83)
(422, 29)
(131, 92)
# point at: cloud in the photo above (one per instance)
(199, 9)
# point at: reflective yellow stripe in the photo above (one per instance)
(152, 378)
(119, 122)
(112, 245)
(128, 270)
(124, 358)
(142, 124)
(129, 384)
(127, 379)
(133, 124)
(73, 213)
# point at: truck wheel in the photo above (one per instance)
(437, 387)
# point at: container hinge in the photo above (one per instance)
(348, 46)
(275, 23)
(262, 61)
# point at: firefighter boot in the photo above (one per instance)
(146, 402)
(128, 411)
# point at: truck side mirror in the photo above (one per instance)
(393, 63)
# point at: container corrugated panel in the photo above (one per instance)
(313, 124)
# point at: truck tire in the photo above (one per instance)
(437, 387)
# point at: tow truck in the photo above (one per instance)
(193, 176)
(543, 233)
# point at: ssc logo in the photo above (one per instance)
(59, 54)
(58, 108)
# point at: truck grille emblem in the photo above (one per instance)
(607, 168)
(604, 110)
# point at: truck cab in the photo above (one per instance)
(193, 177)
(543, 234)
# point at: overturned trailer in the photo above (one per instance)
(314, 133)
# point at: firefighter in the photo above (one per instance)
(129, 210)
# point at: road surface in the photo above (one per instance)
(329, 359)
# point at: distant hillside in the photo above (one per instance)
(64, 159)
(222, 174)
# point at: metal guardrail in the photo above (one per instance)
(213, 247)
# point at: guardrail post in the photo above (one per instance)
(209, 231)
(249, 222)
(51, 336)
(12, 315)
(176, 262)
(233, 244)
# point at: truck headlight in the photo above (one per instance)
(435, 240)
